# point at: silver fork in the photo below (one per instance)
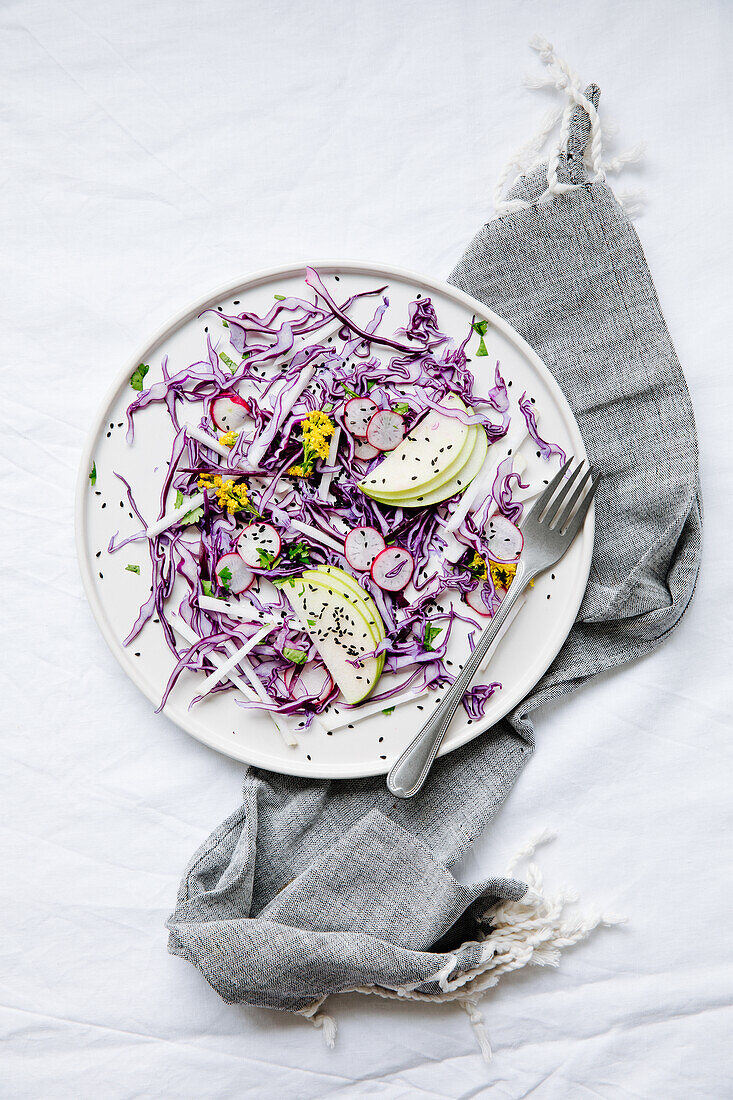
(548, 529)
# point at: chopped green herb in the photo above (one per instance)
(227, 361)
(297, 656)
(190, 517)
(481, 327)
(132, 568)
(279, 297)
(93, 474)
(225, 577)
(299, 553)
(431, 633)
(371, 384)
(137, 376)
(267, 558)
(347, 388)
(401, 407)
(389, 710)
(207, 588)
(311, 622)
(225, 323)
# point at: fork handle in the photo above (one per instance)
(410, 771)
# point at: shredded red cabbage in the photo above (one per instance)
(263, 361)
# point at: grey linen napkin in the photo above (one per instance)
(312, 888)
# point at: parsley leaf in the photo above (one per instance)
(389, 710)
(225, 323)
(299, 553)
(190, 517)
(297, 656)
(311, 622)
(132, 568)
(225, 577)
(279, 297)
(207, 588)
(481, 327)
(137, 376)
(347, 388)
(371, 384)
(401, 407)
(93, 474)
(431, 633)
(267, 558)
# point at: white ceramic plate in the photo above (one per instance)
(115, 593)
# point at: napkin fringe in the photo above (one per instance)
(530, 156)
(532, 931)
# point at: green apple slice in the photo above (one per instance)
(457, 484)
(432, 483)
(341, 632)
(426, 454)
(339, 579)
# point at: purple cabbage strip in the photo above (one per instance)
(546, 449)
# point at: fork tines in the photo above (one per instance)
(558, 514)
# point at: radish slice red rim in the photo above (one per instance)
(361, 547)
(476, 603)
(364, 450)
(357, 414)
(229, 412)
(256, 537)
(504, 539)
(386, 429)
(237, 577)
(393, 568)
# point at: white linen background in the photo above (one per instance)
(151, 152)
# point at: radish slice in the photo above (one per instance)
(385, 430)
(255, 537)
(364, 450)
(361, 547)
(474, 601)
(357, 414)
(393, 568)
(504, 540)
(229, 412)
(241, 578)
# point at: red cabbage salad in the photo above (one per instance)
(339, 500)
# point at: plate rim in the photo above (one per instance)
(326, 266)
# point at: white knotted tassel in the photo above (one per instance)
(561, 76)
(321, 1020)
(477, 1023)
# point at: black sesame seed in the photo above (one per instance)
(101, 576)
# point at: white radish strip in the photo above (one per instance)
(170, 519)
(480, 486)
(347, 717)
(231, 662)
(319, 536)
(191, 637)
(208, 440)
(502, 631)
(300, 343)
(258, 449)
(324, 488)
(181, 627)
(239, 610)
